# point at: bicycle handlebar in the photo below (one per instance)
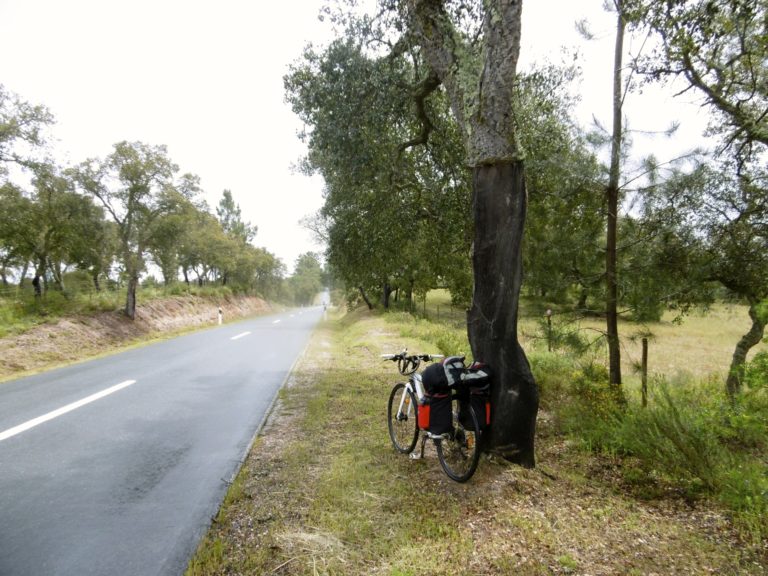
(409, 364)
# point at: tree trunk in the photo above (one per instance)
(39, 282)
(386, 291)
(750, 339)
(487, 120)
(499, 206)
(23, 274)
(130, 301)
(58, 276)
(612, 199)
(365, 298)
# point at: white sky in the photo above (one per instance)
(205, 79)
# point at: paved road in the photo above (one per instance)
(116, 466)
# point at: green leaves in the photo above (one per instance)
(395, 213)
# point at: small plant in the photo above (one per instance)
(568, 563)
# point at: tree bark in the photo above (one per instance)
(750, 339)
(130, 300)
(386, 291)
(499, 207)
(612, 199)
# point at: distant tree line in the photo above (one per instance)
(111, 217)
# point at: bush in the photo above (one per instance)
(745, 491)
(756, 373)
(675, 436)
(552, 373)
(593, 410)
(690, 435)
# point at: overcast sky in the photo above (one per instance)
(205, 79)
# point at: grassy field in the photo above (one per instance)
(703, 342)
(323, 492)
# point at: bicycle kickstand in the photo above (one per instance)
(418, 456)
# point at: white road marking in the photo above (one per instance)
(276, 321)
(63, 410)
(240, 335)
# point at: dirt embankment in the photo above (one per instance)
(78, 337)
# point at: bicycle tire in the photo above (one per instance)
(459, 451)
(403, 428)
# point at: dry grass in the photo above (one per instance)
(700, 345)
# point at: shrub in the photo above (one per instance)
(676, 437)
(745, 491)
(552, 373)
(593, 410)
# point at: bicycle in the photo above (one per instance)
(408, 415)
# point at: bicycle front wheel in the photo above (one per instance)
(402, 419)
(459, 450)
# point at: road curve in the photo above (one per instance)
(116, 466)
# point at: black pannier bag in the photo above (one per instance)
(440, 417)
(480, 400)
(478, 382)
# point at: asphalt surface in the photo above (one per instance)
(116, 466)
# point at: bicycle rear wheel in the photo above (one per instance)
(459, 451)
(402, 419)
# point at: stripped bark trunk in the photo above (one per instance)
(484, 112)
(499, 207)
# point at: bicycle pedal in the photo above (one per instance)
(415, 456)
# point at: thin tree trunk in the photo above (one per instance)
(386, 291)
(499, 206)
(130, 301)
(612, 197)
(750, 339)
(365, 298)
(23, 274)
(58, 276)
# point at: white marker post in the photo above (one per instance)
(221, 317)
